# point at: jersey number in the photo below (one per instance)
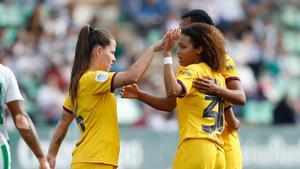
(210, 113)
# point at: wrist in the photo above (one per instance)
(168, 60)
(50, 155)
(217, 91)
(167, 54)
(42, 159)
(139, 95)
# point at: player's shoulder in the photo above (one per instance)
(196, 67)
(229, 58)
(193, 68)
(5, 71)
(95, 76)
(4, 68)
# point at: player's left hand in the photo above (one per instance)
(205, 84)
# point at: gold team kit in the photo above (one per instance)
(201, 122)
(96, 115)
(233, 153)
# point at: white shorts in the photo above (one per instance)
(5, 160)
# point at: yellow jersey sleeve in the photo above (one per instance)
(99, 82)
(230, 72)
(68, 106)
(185, 78)
(179, 69)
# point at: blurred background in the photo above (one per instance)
(38, 38)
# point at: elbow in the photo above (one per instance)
(131, 80)
(243, 100)
(236, 125)
(132, 77)
(172, 93)
(22, 122)
(169, 109)
(170, 106)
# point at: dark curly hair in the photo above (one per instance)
(211, 40)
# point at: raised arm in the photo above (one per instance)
(160, 103)
(135, 72)
(172, 86)
(27, 131)
(58, 136)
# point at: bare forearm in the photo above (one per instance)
(135, 72)
(173, 88)
(26, 128)
(141, 65)
(58, 136)
(160, 103)
(31, 138)
(233, 96)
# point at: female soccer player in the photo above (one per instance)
(91, 100)
(201, 52)
(234, 94)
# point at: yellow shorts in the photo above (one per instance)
(199, 153)
(234, 159)
(92, 166)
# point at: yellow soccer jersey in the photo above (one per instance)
(96, 115)
(230, 72)
(199, 115)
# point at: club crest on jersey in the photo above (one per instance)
(101, 76)
(187, 72)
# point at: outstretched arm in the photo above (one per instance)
(160, 103)
(58, 136)
(27, 130)
(136, 71)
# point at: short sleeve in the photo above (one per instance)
(68, 106)
(179, 69)
(186, 77)
(230, 72)
(99, 82)
(12, 92)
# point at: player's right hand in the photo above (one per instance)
(130, 91)
(51, 160)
